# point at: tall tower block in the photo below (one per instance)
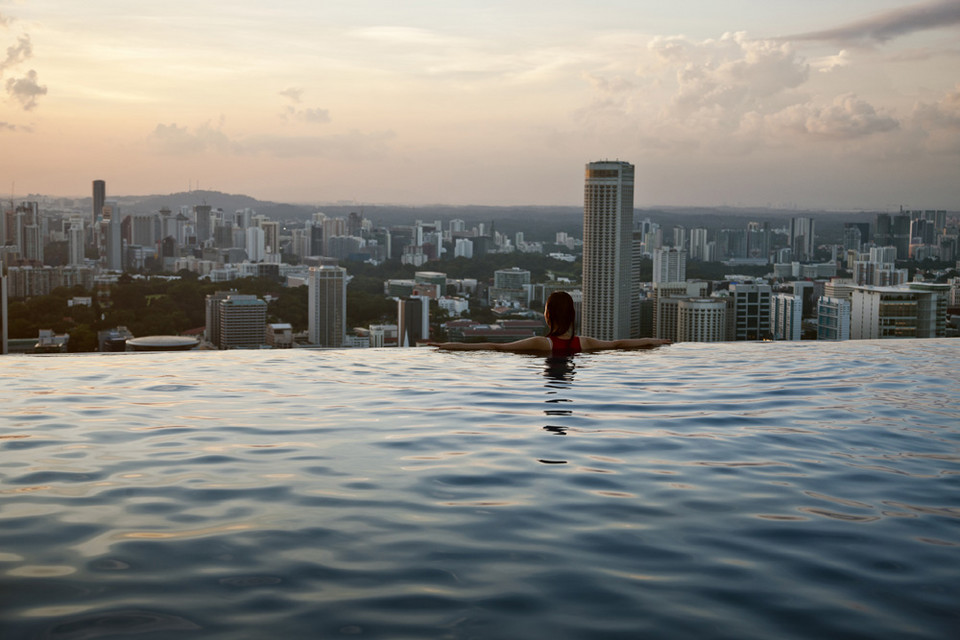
(607, 249)
(99, 197)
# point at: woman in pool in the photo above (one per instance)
(559, 315)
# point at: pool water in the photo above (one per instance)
(741, 490)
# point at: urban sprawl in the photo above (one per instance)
(88, 276)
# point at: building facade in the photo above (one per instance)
(915, 311)
(242, 322)
(833, 318)
(669, 265)
(607, 249)
(786, 316)
(327, 306)
(751, 309)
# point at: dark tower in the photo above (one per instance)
(99, 196)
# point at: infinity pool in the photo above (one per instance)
(695, 491)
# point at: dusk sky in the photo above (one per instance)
(813, 104)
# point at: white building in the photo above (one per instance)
(453, 305)
(256, 244)
(607, 249)
(669, 265)
(786, 316)
(915, 311)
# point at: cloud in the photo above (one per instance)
(26, 89)
(315, 116)
(5, 21)
(17, 53)
(723, 80)
(944, 114)
(293, 93)
(847, 118)
(826, 64)
(175, 140)
(938, 124)
(172, 139)
(890, 24)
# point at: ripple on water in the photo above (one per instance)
(766, 490)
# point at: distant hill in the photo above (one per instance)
(537, 222)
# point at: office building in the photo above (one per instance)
(664, 318)
(607, 248)
(99, 198)
(669, 265)
(698, 244)
(75, 242)
(413, 321)
(751, 309)
(833, 318)
(697, 319)
(243, 321)
(327, 306)
(802, 240)
(202, 226)
(915, 311)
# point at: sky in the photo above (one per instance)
(815, 104)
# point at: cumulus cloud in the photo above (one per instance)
(26, 90)
(733, 74)
(293, 93)
(5, 21)
(890, 24)
(847, 118)
(17, 53)
(173, 139)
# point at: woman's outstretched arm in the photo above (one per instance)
(526, 345)
(592, 344)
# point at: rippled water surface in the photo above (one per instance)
(695, 491)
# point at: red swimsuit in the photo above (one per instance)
(571, 345)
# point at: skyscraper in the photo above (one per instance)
(607, 248)
(802, 239)
(669, 265)
(99, 196)
(327, 306)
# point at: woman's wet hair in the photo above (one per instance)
(559, 313)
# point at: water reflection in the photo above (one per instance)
(559, 372)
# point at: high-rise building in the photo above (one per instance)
(786, 316)
(833, 318)
(99, 198)
(802, 240)
(327, 306)
(203, 228)
(700, 319)
(663, 319)
(698, 244)
(669, 265)
(751, 307)
(75, 242)
(607, 248)
(413, 320)
(243, 322)
(918, 310)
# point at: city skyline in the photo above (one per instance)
(782, 104)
